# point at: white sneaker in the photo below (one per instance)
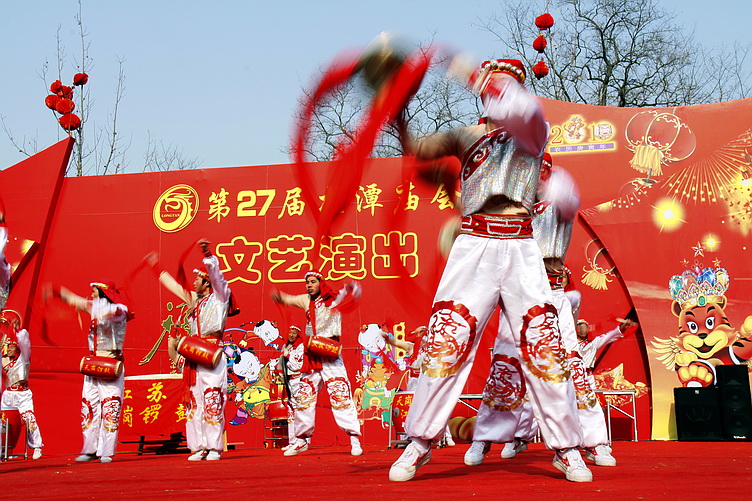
(83, 458)
(416, 454)
(475, 454)
(601, 455)
(105, 459)
(571, 464)
(37, 453)
(214, 456)
(449, 441)
(356, 449)
(197, 456)
(511, 449)
(300, 445)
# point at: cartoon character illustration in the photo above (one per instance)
(268, 333)
(373, 398)
(706, 338)
(248, 383)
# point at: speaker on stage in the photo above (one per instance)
(698, 414)
(736, 402)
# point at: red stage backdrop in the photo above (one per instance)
(665, 192)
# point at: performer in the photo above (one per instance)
(206, 387)
(102, 399)
(497, 416)
(494, 261)
(596, 444)
(16, 349)
(323, 320)
(415, 363)
(291, 362)
(5, 271)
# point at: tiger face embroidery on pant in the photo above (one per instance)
(540, 344)
(505, 388)
(306, 395)
(31, 421)
(87, 414)
(213, 405)
(339, 393)
(449, 340)
(586, 398)
(111, 413)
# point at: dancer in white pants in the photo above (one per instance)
(102, 399)
(494, 262)
(16, 361)
(207, 311)
(5, 271)
(595, 432)
(292, 352)
(323, 320)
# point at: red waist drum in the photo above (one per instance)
(400, 406)
(101, 367)
(199, 350)
(323, 347)
(276, 410)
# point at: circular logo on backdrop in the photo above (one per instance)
(175, 208)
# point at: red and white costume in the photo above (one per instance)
(102, 399)
(294, 356)
(17, 394)
(495, 261)
(317, 372)
(5, 270)
(205, 411)
(594, 424)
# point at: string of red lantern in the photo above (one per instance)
(61, 101)
(544, 22)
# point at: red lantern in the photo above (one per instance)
(540, 69)
(80, 79)
(540, 43)
(56, 86)
(64, 106)
(70, 121)
(51, 101)
(544, 21)
(66, 92)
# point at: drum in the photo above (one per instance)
(199, 350)
(323, 347)
(11, 429)
(400, 406)
(277, 410)
(101, 367)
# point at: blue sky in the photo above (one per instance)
(221, 80)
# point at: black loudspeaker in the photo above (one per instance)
(698, 414)
(736, 402)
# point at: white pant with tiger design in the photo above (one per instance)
(480, 274)
(334, 376)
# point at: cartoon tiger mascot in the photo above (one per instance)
(706, 338)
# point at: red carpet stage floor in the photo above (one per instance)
(646, 470)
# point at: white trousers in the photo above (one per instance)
(334, 376)
(294, 383)
(101, 405)
(480, 274)
(205, 420)
(505, 412)
(23, 401)
(498, 419)
(592, 419)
